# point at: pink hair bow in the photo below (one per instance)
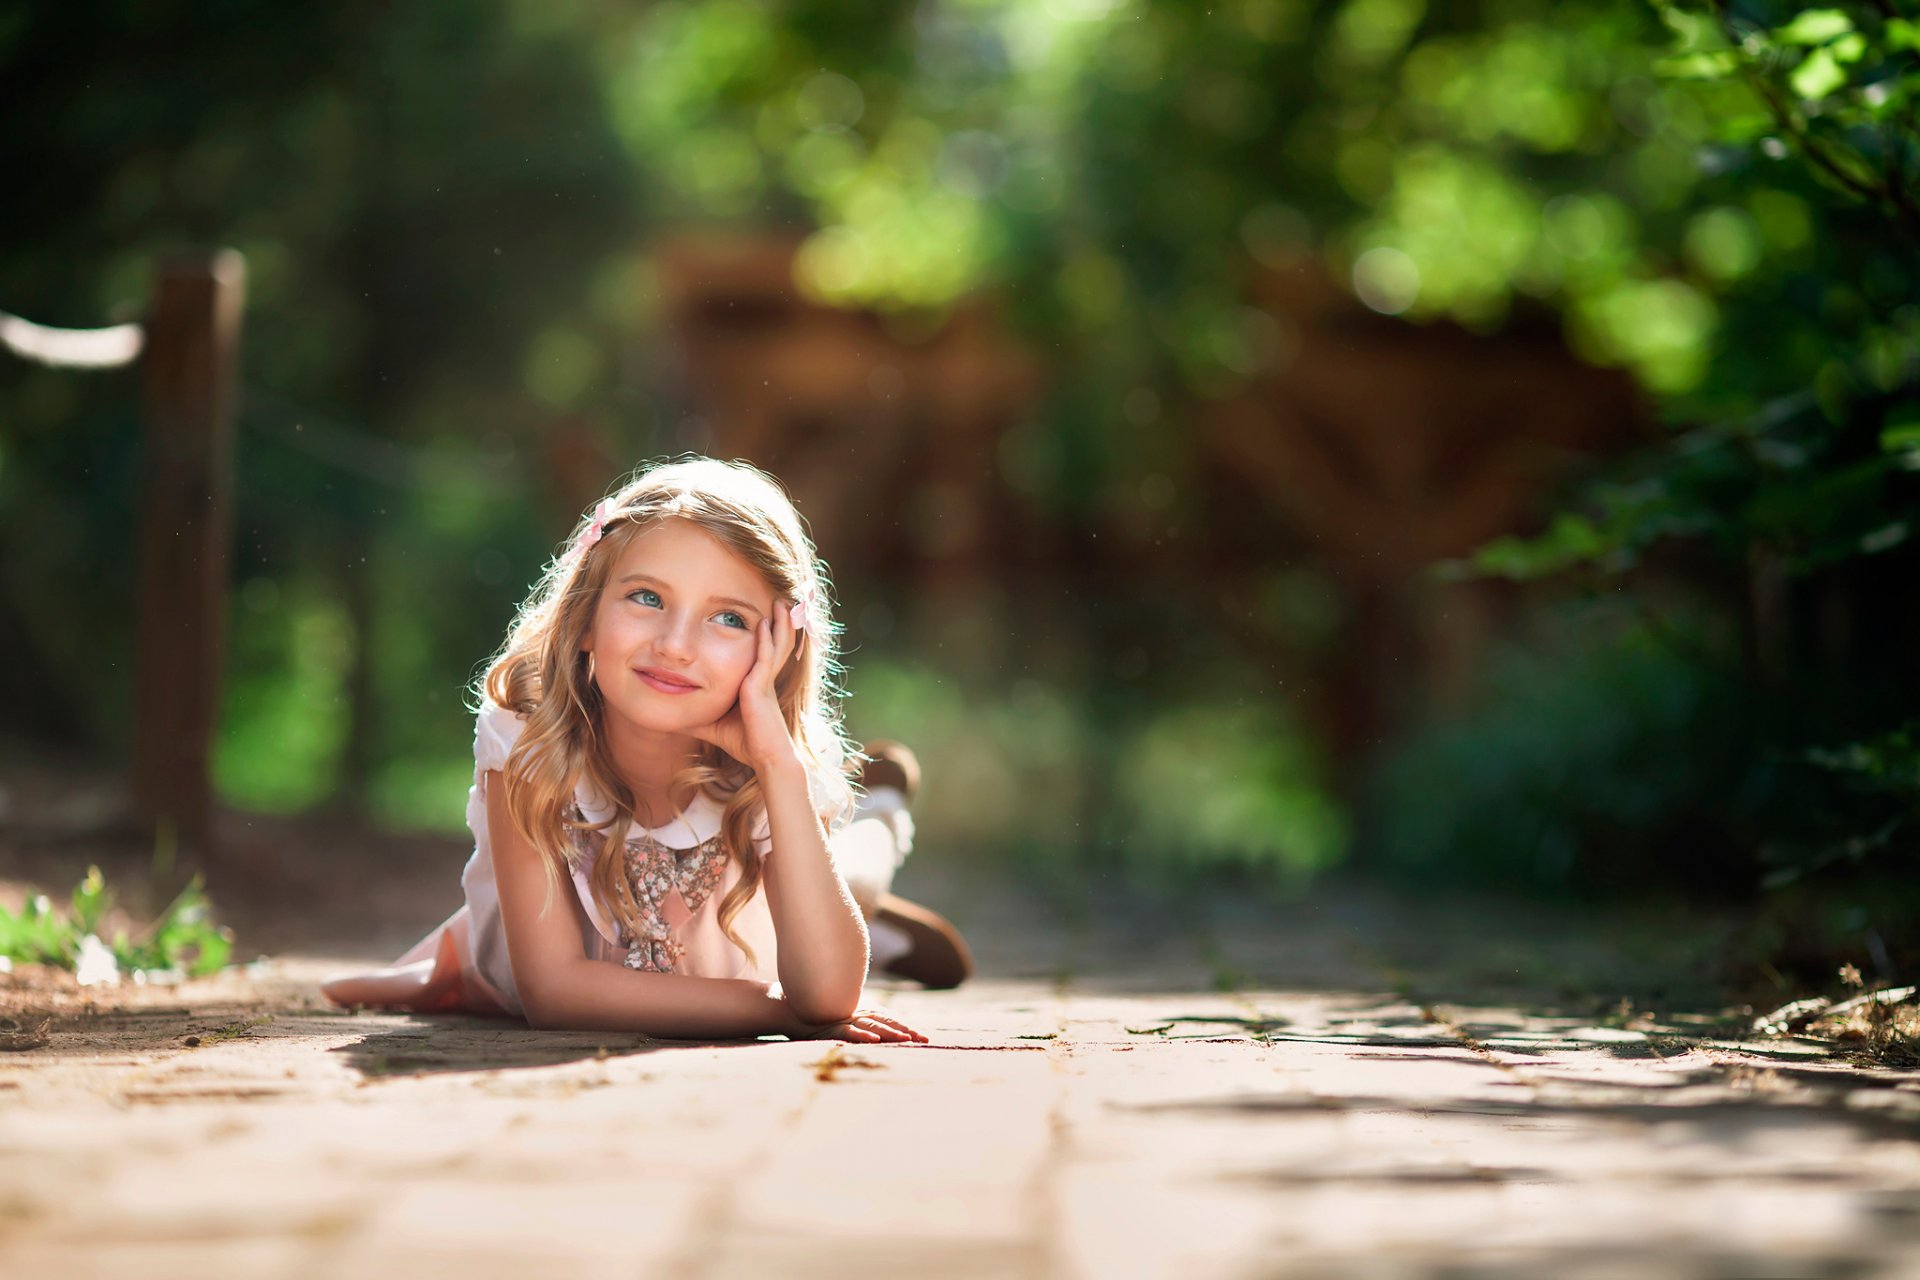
(803, 608)
(597, 527)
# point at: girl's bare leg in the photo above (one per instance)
(909, 940)
(404, 985)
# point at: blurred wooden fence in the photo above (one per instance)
(187, 349)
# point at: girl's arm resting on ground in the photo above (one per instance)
(823, 939)
(590, 995)
(561, 989)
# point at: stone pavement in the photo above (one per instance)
(1233, 1092)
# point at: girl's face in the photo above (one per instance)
(675, 629)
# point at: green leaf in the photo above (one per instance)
(1815, 26)
(1891, 760)
(91, 900)
(184, 937)
(38, 935)
(215, 946)
(1884, 538)
(1745, 127)
(1818, 76)
(1886, 100)
(1716, 65)
(1692, 31)
(1901, 437)
(1902, 33)
(1570, 540)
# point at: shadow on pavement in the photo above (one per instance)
(1736, 1120)
(452, 1046)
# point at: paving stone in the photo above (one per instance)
(1092, 1107)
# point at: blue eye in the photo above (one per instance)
(646, 596)
(731, 619)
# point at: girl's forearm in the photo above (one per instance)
(591, 995)
(823, 940)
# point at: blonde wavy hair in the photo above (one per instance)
(541, 674)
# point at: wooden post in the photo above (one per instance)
(189, 371)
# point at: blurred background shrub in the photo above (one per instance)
(1136, 361)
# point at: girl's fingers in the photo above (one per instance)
(766, 653)
(773, 651)
(787, 633)
(897, 1029)
(866, 1028)
(762, 672)
(724, 733)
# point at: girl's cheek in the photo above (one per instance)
(726, 686)
(739, 661)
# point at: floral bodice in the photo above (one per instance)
(654, 874)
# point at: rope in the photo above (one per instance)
(72, 348)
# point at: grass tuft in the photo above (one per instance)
(184, 939)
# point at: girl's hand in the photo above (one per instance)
(869, 1026)
(754, 732)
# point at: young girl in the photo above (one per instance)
(660, 802)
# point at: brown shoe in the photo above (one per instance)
(939, 958)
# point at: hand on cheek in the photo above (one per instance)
(754, 731)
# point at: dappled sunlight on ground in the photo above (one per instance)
(1348, 1086)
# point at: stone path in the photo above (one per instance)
(1234, 1095)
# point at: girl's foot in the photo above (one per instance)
(936, 956)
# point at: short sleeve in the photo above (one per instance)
(832, 796)
(495, 730)
(762, 838)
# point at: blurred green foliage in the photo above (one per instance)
(1120, 163)
(1601, 758)
(445, 210)
(1232, 786)
(1785, 500)
(1179, 791)
(183, 938)
(424, 198)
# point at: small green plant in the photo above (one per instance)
(183, 938)
(235, 1030)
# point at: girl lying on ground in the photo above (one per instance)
(665, 838)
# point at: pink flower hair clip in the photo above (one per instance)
(596, 528)
(803, 608)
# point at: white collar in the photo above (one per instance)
(699, 823)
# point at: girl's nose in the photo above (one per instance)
(676, 638)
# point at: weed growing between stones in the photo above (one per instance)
(183, 942)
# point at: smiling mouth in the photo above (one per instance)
(664, 681)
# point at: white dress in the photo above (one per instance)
(678, 873)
